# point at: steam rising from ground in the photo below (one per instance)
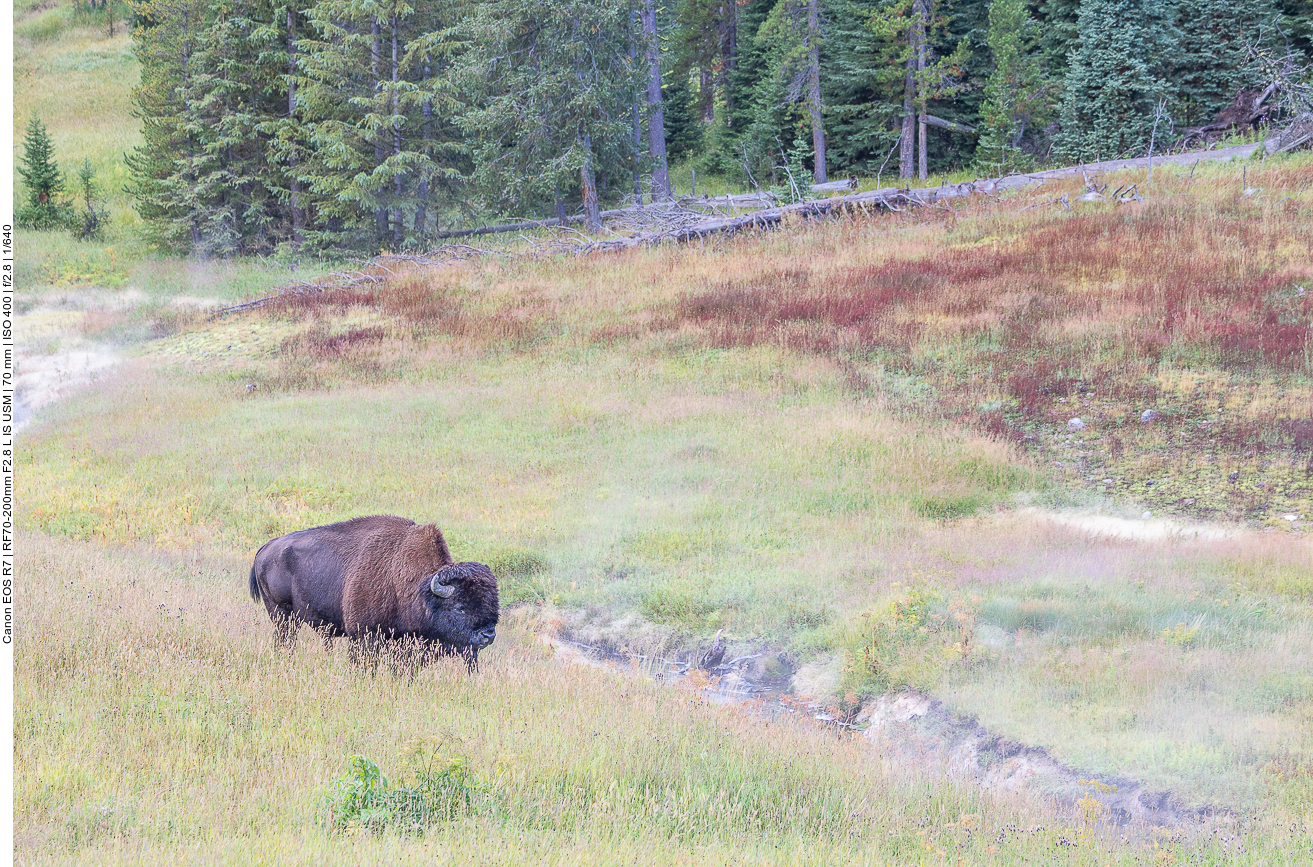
(1146, 529)
(55, 359)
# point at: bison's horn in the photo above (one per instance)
(444, 591)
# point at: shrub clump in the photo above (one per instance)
(439, 791)
(909, 642)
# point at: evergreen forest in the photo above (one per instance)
(367, 125)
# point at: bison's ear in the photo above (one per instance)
(442, 591)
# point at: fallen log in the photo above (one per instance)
(735, 201)
(888, 198)
(1295, 135)
(835, 186)
(896, 198)
(500, 228)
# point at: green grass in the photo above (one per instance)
(1150, 660)
(158, 723)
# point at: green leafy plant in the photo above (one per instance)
(438, 792)
(1181, 635)
(909, 642)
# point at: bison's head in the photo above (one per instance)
(462, 608)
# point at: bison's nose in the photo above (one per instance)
(484, 637)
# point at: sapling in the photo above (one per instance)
(92, 220)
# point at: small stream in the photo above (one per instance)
(916, 732)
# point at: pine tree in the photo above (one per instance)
(866, 47)
(743, 141)
(232, 94)
(750, 67)
(792, 35)
(90, 226)
(281, 125)
(857, 87)
(1013, 90)
(551, 90)
(708, 45)
(376, 93)
(1296, 24)
(655, 108)
(931, 69)
(1116, 78)
(776, 115)
(1059, 32)
(163, 41)
(204, 177)
(45, 182)
(684, 127)
(1214, 61)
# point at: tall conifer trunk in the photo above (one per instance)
(729, 51)
(907, 141)
(189, 173)
(298, 216)
(375, 60)
(814, 89)
(592, 213)
(921, 14)
(656, 117)
(398, 227)
(633, 106)
(707, 86)
(421, 212)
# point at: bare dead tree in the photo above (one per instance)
(1292, 81)
(1159, 113)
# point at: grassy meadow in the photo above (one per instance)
(848, 445)
(157, 723)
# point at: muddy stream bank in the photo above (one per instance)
(914, 732)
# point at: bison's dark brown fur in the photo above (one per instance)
(377, 580)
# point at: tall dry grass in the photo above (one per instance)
(155, 722)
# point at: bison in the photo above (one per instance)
(378, 580)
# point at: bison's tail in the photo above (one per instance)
(257, 566)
